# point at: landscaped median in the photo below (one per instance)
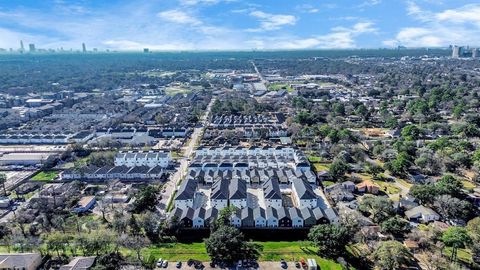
(272, 251)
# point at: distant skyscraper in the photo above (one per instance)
(22, 48)
(31, 47)
(146, 50)
(475, 53)
(457, 51)
(84, 48)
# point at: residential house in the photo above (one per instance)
(368, 186)
(247, 217)
(271, 193)
(259, 215)
(422, 214)
(79, 263)
(24, 261)
(219, 196)
(85, 204)
(303, 194)
(271, 216)
(284, 219)
(296, 217)
(199, 218)
(186, 194)
(237, 190)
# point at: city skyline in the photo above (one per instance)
(239, 25)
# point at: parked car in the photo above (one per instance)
(283, 264)
(165, 264)
(159, 262)
(179, 265)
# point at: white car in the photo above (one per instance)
(159, 262)
(165, 264)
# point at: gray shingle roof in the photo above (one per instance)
(304, 190)
(271, 189)
(237, 189)
(220, 190)
(187, 190)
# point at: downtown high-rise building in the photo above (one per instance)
(84, 48)
(22, 48)
(31, 47)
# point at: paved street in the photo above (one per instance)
(197, 134)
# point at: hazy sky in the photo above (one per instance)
(238, 24)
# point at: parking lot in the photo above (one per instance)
(261, 266)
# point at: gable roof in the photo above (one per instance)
(237, 189)
(187, 189)
(271, 189)
(422, 210)
(220, 189)
(304, 190)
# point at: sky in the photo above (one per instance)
(165, 25)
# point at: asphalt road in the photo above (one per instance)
(175, 179)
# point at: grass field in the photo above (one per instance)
(321, 166)
(315, 159)
(171, 91)
(468, 185)
(327, 183)
(278, 86)
(45, 176)
(272, 251)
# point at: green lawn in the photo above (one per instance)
(314, 159)
(321, 166)
(463, 255)
(278, 86)
(327, 183)
(45, 176)
(272, 251)
(390, 188)
(468, 185)
(171, 91)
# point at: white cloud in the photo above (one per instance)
(465, 14)
(203, 2)
(368, 3)
(270, 21)
(451, 26)
(178, 16)
(337, 38)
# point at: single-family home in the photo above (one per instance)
(422, 214)
(85, 204)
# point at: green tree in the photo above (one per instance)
(379, 208)
(146, 199)
(227, 244)
(110, 261)
(473, 228)
(3, 179)
(425, 193)
(338, 169)
(396, 226)
(330, 239)
(455, 237)
(452, 208)
(411, 133)
(449, 185)
(57, 241)
(391, 255)
(400, 164)
(374, 169)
